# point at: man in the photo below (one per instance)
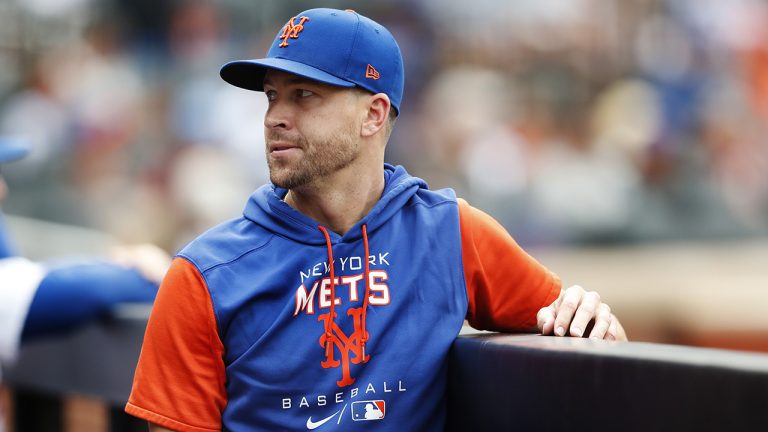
(343, 285)
(43, 299)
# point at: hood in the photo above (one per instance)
(267, 209)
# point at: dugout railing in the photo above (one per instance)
(496, 383)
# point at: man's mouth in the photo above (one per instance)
(282, 148)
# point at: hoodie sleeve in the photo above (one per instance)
(506, 287)
(76, 292)
(179, 381)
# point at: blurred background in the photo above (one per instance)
(622, 143)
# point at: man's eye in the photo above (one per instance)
(304, 93)
(271, 95)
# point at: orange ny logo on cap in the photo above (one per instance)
(292, 30)
(371, 72)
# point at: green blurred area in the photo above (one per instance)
(571, 122)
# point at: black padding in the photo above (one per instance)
(97, 360)
(538, 383)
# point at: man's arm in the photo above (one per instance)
(155, 428)
(508, 290)
(180, 376)
(506, 286)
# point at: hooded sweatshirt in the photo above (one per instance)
(272, 322)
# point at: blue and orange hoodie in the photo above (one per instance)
(272, 322)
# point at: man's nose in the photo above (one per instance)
(278, 116)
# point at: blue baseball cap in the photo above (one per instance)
(12, 149)
(341, 48)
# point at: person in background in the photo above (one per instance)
(41, 299)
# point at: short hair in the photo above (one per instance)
(391, 120)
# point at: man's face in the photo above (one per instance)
(311, 129)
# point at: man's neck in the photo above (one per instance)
(339, 201)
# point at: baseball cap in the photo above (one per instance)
(341, 48)
(12, 149)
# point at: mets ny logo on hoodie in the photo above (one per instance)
(351, 347)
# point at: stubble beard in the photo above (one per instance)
(320, 158)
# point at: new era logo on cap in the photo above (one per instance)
(371, 72)
(332, 46)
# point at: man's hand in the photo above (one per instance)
(574, 311)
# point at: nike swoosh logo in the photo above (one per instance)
(314, 425)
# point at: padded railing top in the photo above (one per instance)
(530, 382)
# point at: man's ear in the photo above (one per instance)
(377, 114)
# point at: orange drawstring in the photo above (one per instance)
(329, 322)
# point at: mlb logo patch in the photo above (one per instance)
(368, 410)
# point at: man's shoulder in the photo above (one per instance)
(433, 198)
(225, 243)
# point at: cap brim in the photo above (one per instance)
(249, 74)
(12, 149)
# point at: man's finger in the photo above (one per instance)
(613, 330)
(586, 311)
(545, 320)
(564, 313)
(602, 322)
